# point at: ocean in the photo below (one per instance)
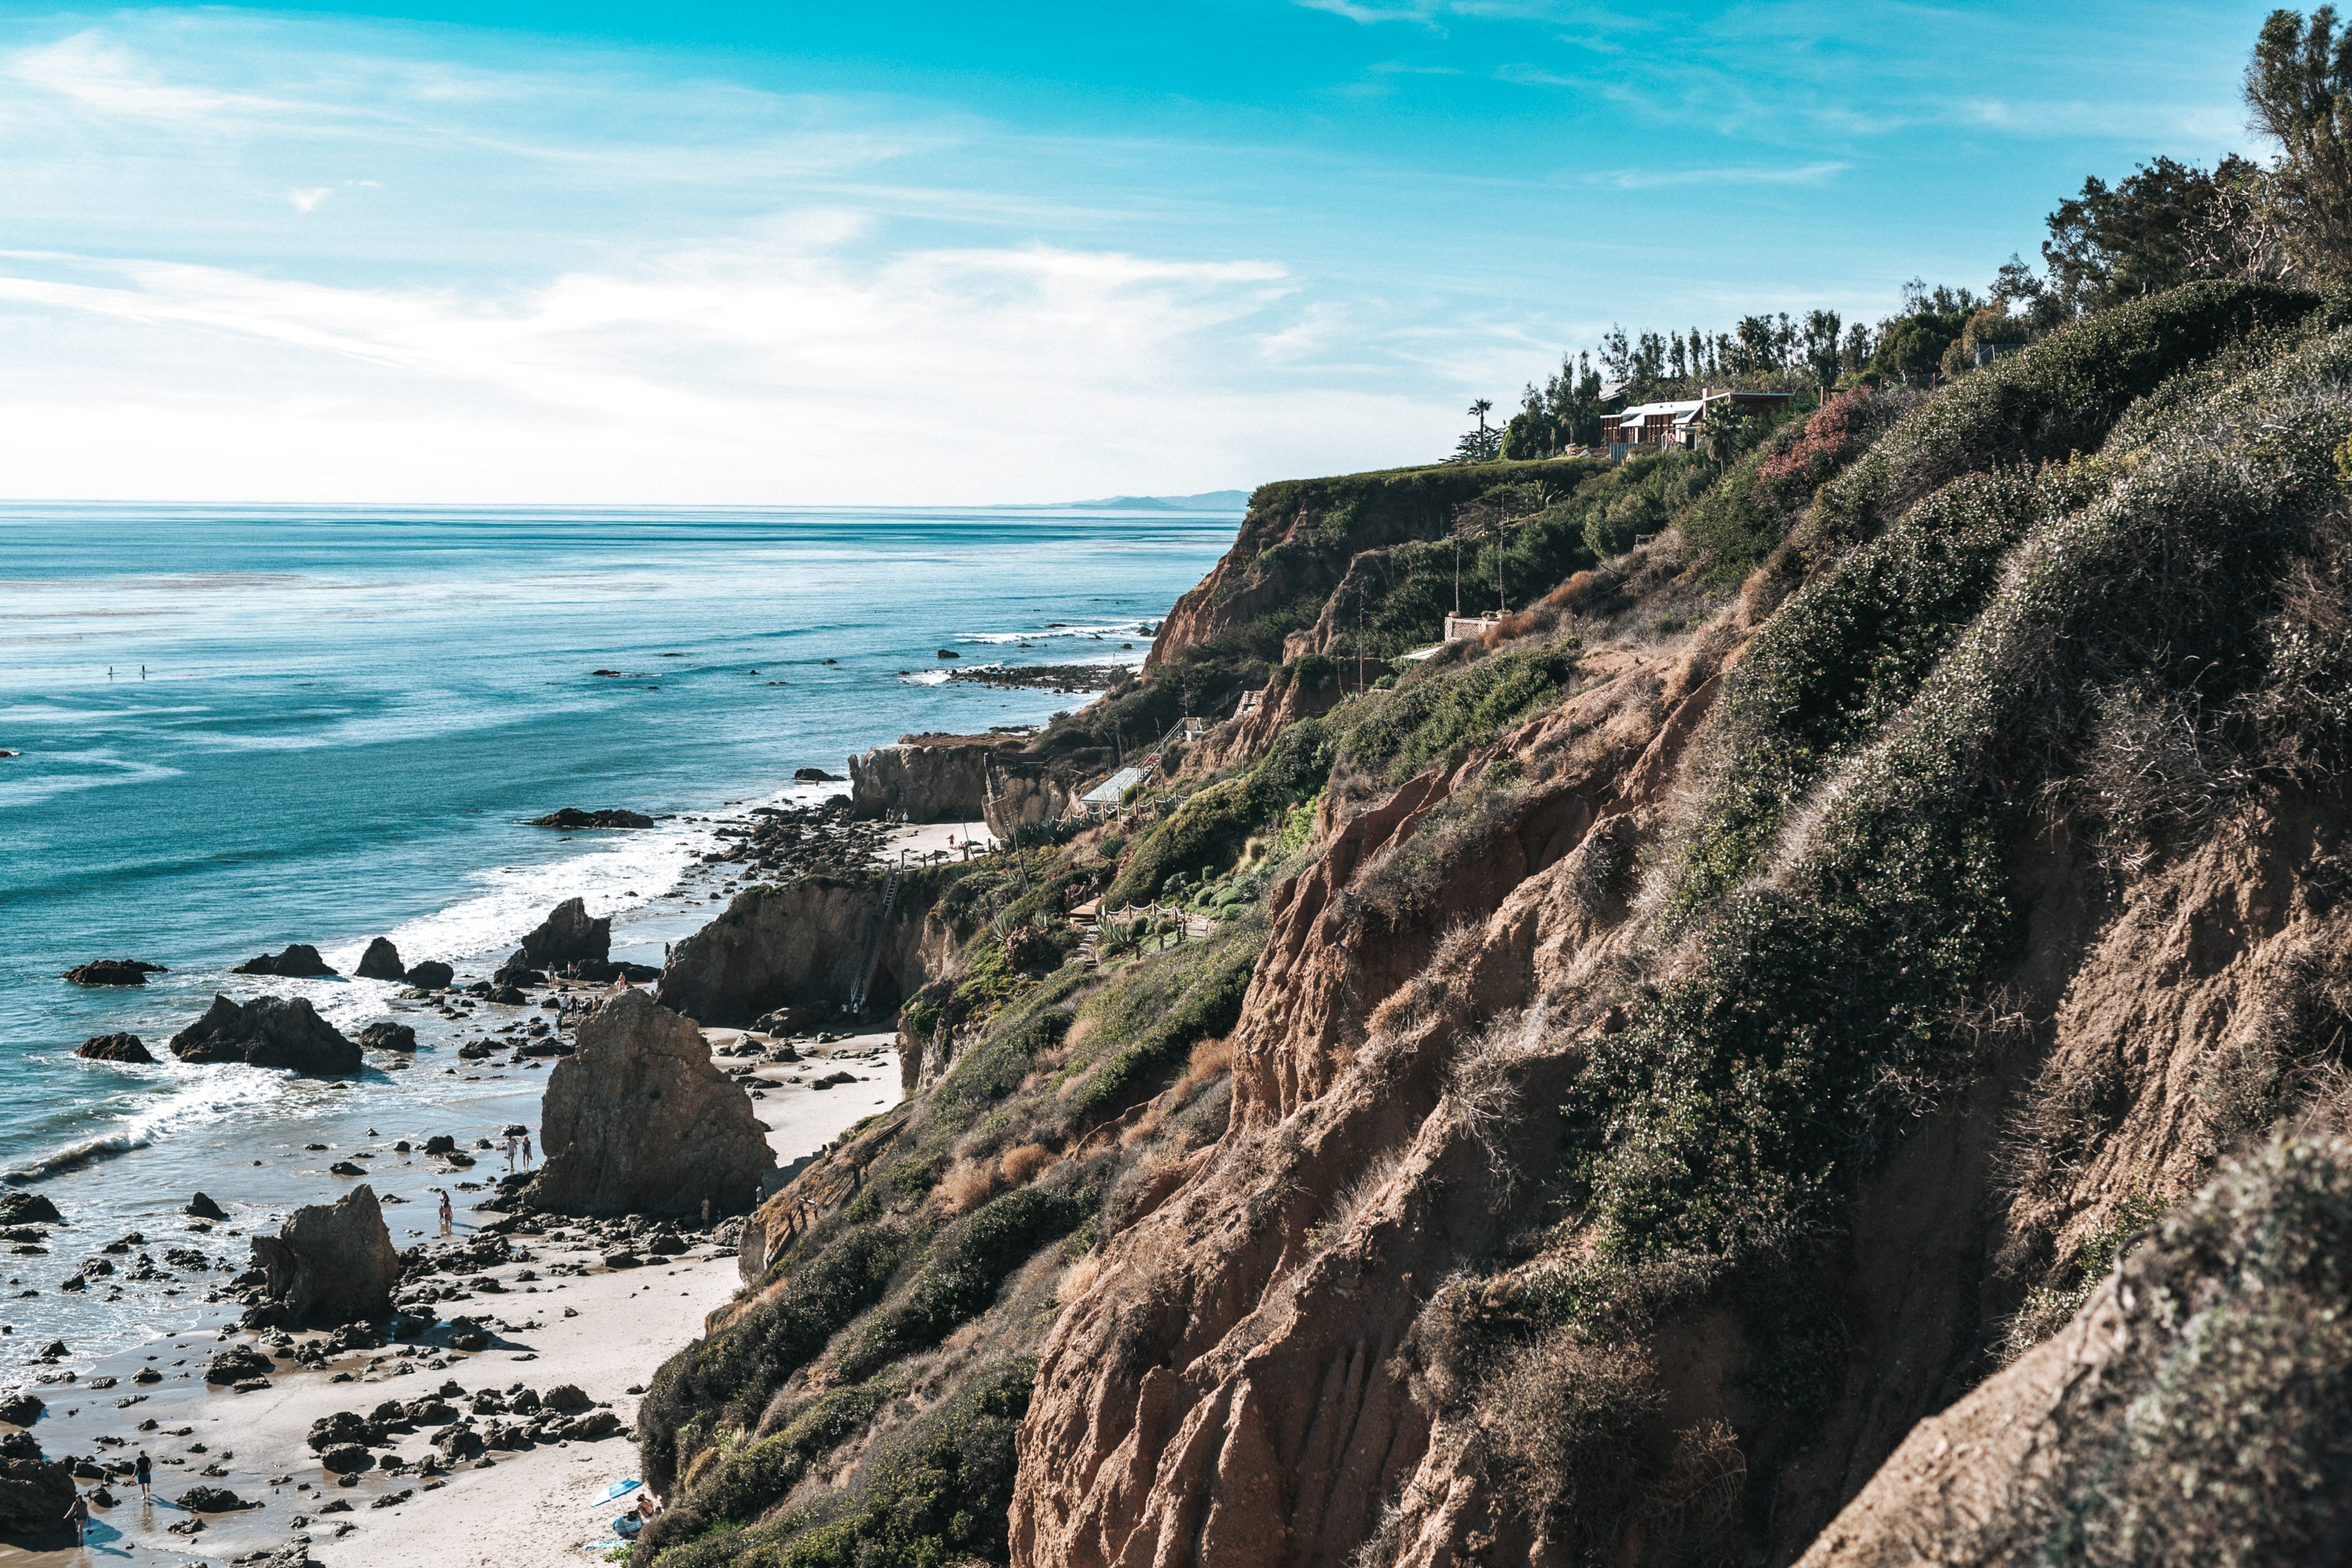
(242, 727)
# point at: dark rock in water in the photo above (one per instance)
(236, 1363)
(345, 1168)
(34, 1492)
(381, 961)
(948, 653)
(474, 1051)
(507, 996)
(571, 817)
(569, 935)
(817, 775)
(267, 1032)
(20, 1409)
(547, 1047)
(638, 1122)
(212, 1499)
(440, 1144)
(29, 1208)
(203, 1207)
(515, 972)
(431, 976)
(112, 972)
(114, 1048)
(300, 961)
(388, 1037)
(327, 1265)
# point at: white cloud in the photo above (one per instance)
(308, 201)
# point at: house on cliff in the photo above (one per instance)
(1682, 423)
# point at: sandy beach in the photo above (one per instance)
(603, 1329)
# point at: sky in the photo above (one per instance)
(932, 254)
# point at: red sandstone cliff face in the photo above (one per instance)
(1231, 1390)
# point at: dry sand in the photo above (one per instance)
(524, 1510)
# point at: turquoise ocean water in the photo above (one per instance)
(242, 727)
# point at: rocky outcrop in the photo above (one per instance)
(940, 783)
(35, 1493)
(431, 976)
(267, 1032)
(803, 945)
(1022, 795)
(114, 1048)
(202, 1208)
(328, 1264)
(388, 1036)
(29, 1208)
(381, 961)
(112, 972)
(571, 817)
(568, 935)
(300, 961)
(637, 1121)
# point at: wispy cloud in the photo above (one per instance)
(1651, 178)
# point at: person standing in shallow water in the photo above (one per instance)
(145, 1471)
(445, 1216)
(526, 1151)
(79, 1516)
(510, 1153)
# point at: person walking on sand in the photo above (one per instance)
(79, 1516)
(445, 1216)
(510, 1153)
(145, 1471)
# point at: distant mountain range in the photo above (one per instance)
(1207, 500)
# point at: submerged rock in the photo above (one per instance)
(381, 961)
(112, 972)
(114, 1048)
(386, 1036)
(571, 817)
(638, 1121)
(300, 961)
(328, 1264)
(29, 1208)
(267, 1032)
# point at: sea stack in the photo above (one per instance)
(328, 1264)
(380, 962)
(639, 1121)
(267, 1032)
(114, 1048)
(568, 935)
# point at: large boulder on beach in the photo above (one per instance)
(330, 1263)
(388, 1036)
(637, 1121)
(431, 976)
(114, 1048)
(35, 1493)
(112, 972)
(381, 961)
(567, 935)
(267, 1032)
(300, 961)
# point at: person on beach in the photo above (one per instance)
(705, 1211)
(510, 1153)
(445, 1216)
(79, 1516)
(144, 1471)
(526, 1151)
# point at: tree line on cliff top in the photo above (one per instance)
(2286, 220)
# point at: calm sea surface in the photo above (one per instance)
(242, 727)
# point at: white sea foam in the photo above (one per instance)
(40, 786)
(210, 1094)
(1126, 629)
(928, 676)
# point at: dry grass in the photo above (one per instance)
(1210, 1061)
(1567, 1415)
(1022, 1165)
(1078, 1278)
(969, 1184)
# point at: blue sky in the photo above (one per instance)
(801, 254)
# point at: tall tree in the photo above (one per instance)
(2110, 245)
(2298, 89)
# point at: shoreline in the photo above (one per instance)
(600, 1329)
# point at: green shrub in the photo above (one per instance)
(1394, 735)
(959, 1277)
(1151, 1017)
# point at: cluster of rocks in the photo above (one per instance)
(570, 942)
(112, 972)
(34, 1492)
(571, 817)
(1062, 677)
(489, 1420)
(269, 1032)
(300, 961)
(785, 841)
